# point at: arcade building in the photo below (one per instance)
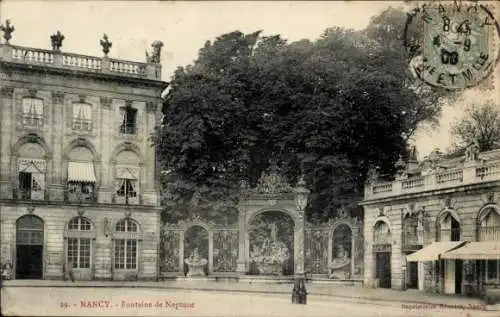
(77, 169)
(436, 226)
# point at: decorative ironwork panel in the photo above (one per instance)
(226, 244)
(316, 243)
(169, 248)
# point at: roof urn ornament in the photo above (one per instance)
(7, 30)
(57, 40)
(106, 44)
(155, 56)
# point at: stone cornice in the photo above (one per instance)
(429, 194)
(62, 204)
(81, 73)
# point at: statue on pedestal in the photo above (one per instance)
(7, 271)
(56, 40)
(195, 264)
(154, 58)
(7, 30)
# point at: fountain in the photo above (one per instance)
(195, 264)
(339, 266)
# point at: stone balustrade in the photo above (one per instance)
(473, 173)
(78, 62)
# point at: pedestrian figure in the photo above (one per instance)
(299, 293)
(71, 273)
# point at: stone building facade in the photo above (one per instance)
(78, 192)
(429, 210)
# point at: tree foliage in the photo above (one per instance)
(480, 125)
(331, 109)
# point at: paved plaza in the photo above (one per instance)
(148, 301)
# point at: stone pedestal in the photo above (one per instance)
(196, 268)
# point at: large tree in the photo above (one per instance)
(331, 109)
(480, 125)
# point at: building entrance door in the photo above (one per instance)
(412, 275)
(383, 269)
(29, 248)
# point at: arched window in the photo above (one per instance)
(381, 233)
(81, 175)
(82, 117)
(489, 230)
(32, 112)
(31, 172)
(126, 244)
(489, 224)
(449, 226)
(79, 245)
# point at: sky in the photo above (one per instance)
(184, 27)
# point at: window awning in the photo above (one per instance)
(485, 250)
(433, 251)
(81, 172)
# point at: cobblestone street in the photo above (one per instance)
(117, 301)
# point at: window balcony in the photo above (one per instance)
(29, 194)
(88, 198)
(128, 129)
(127, 200)
(78, 192)
(82, 124)
(33, 120)
(489, 233)
(449, 234)
(411, 241)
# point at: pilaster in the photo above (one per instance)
(241, 262)
(6, 128)
(299, 243)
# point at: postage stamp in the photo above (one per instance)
(459, 44)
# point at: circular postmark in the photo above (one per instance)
(452, 45)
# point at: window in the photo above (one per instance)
(126, 188)
(492, 270)
(489, 226)
(33, 112)
(31, 182)
(126, 249)
(79, 244)
(81, 180)
(82, 117)
(129, 118)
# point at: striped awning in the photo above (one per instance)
(81, 172)
(485, 250)
(433, 251)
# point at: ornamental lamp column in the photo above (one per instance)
(301, 194)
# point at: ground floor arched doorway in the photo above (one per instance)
(29, 247)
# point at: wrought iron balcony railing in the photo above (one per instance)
(449, 234)
(82, 124)
(128, 129)
(33, 120)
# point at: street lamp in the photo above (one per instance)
(299, 292)
(301, 194)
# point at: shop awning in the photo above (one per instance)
(433, 251)
(486, 250)
(81, 172)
